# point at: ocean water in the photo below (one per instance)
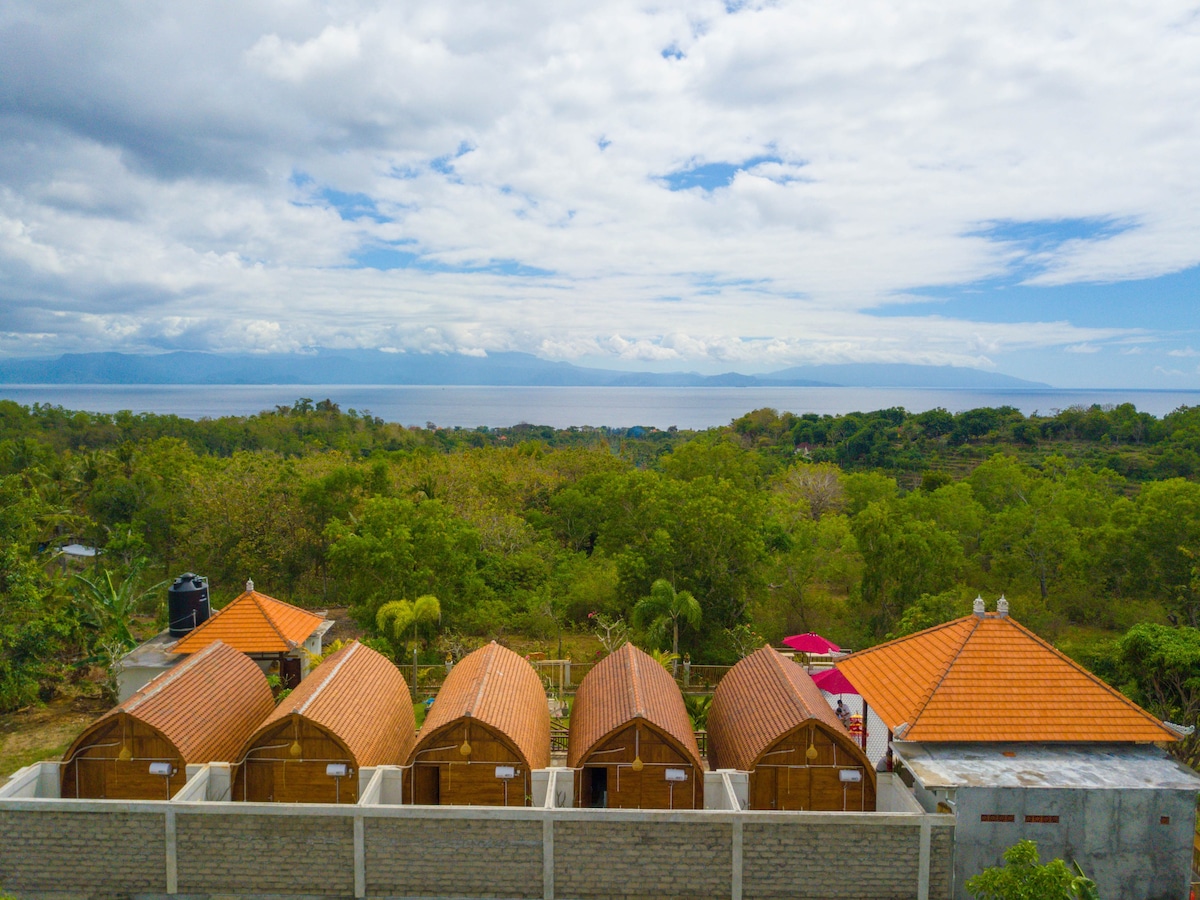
(563, 407)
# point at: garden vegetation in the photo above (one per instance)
(862, 527)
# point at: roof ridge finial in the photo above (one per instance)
(1002, 607)
(249, 585)
(979, 608)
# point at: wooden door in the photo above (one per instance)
(762, 788)
(426, 785)
(92, 775)
(624, 787)
(794, 787)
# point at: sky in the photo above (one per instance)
(694, 186)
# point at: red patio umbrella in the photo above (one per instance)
(831, 681)
(810, 643)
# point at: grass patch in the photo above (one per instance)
(11, 762)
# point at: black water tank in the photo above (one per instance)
(187, 603)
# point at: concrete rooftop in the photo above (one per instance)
(1122, 766)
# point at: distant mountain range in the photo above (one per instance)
(496, 369)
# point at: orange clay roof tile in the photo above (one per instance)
(500, 689)
(759, 700)
(206, 706)
(624, 686)
(253, 623)
(359, 697)
(988, 678)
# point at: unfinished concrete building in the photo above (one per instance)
(992, 723)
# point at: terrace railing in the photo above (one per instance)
(559, 737)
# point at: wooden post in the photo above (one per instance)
(414, 686)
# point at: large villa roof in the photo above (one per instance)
(985, 677)
(253, 623)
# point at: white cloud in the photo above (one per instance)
(1186, 351)
(172, 178)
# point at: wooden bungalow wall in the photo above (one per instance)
(441, 775)
(647, 789)
(98, 773)
(785, 778)
(270, 773)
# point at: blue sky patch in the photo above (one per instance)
(672, 52)
(445, 164)
(1045, 234)
(1168, 303)
(353, 206)
(710, 176)
(386, 258)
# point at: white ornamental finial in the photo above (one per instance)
(249, 585)
(978, 606)
(1002, 606)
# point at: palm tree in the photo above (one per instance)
(398, 616)
(666, 605)
(698, 706)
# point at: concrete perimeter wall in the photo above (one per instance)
(61, 849)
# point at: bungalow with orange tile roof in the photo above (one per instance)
(487, 729)
(994, 724)
(279, 636)
(631, 741)
(353, 711)
(769, 719)
(198, 712)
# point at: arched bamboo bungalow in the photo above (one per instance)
(198, 712)
(354, 710)
(769, 719)
(631, 741)
(487, 729)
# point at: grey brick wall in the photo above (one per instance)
(431, 857)
(112, 855)
(265, 854)
(634, 860)
(941, 863)
(97, 855)
(845, 862)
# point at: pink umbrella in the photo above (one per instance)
(810, 643)
(831, 681)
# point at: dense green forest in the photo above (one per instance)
(860, 527)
